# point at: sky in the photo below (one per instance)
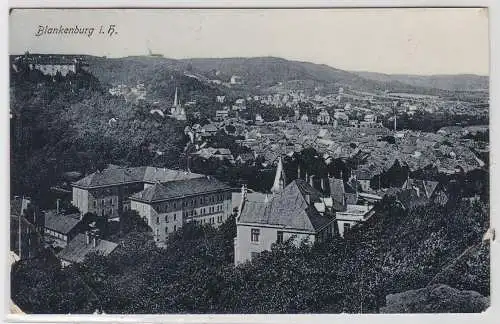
(395, 41)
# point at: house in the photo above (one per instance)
(221, 114)
(348, 212)
(363, 177)
(209, 130)
(236, 80)
(323, 117)
(217, 153)
(105, 193)
(247, 157)
(166, 207)
(82, 245)
(60, 229)
(298, 212)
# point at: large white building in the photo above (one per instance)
(166, 207)
(298, 212)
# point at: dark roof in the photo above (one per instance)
(77, 249)
(363, 174)
(426, 187)
(180, 188)
(337, 192)
(116, 175)
(60, 223)
(289, 209)
(409, 198)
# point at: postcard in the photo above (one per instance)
(249, 161)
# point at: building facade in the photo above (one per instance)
(106, 193)
(166, 207)
(298, 212)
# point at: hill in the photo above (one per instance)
(258, 73)
(460, 82)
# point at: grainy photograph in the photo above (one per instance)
(249, 161)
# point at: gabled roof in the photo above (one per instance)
(337, 192)
(293, 208)
(180, 188)
(77, 249)
(60, 223)
(115, 176)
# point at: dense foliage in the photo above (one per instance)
(74, 125)
(397, 251)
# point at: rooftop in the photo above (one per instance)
(60, 223)
(293, 208)
(77, 249)
(118, 175)
(181, 188)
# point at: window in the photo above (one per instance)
(175, 228)
(279, 238)
(255, 232)
(253, 255)
(175, 217)
(95, 204)
(157, 220)
(166, 229)
(347, 227)
(166, 219)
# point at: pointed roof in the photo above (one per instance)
(279, 179)
(292, 208)
(181, 188)
(175, 98)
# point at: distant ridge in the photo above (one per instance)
(269, 71)
(452, 82)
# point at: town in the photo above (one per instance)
(321, 163)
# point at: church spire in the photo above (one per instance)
(175, 98)
(279, 179)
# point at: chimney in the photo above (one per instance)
(308, 198)
(87, 238)
(57, 205)
(311, 180)
(323, 186)
(94, 241)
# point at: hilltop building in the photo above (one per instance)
(48, 64)
(236, 80)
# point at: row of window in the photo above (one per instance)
(162, 208)
(55, 234)
(174, 217)
(103, 202)
(202, 211)
(210, 220)
(255, 234)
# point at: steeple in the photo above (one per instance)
(279, 179)
(176, 103)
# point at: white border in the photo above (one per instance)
(488, 316)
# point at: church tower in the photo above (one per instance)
(279, 179)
